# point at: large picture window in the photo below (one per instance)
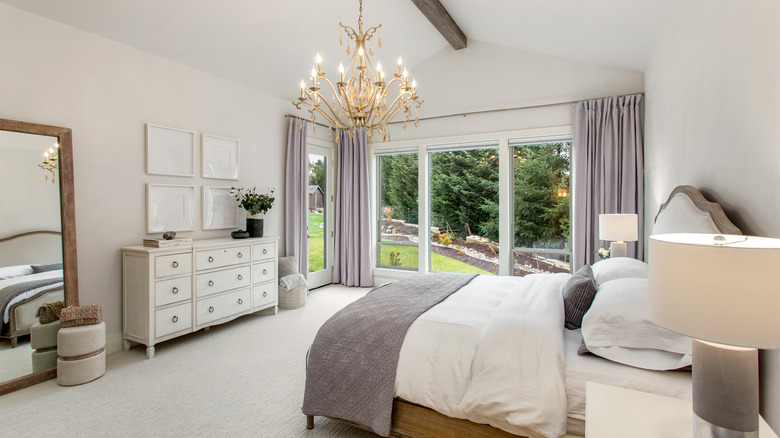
(398, 210)
(541, 208)
(464, 211)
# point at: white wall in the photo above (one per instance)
(30, 203)
(712, 111)
(105, 92)
(487, 77)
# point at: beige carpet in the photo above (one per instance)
(243, 378)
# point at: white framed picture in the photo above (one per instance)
(220, 209)
(220, 157)
(169, 208)
(169, 151)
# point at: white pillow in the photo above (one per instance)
(7, 272)
(618, 327)
(618, 267)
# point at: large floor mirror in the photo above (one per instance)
(37, 242)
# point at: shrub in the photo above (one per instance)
(444, 239)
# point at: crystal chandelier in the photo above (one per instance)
(360, 97)
(51, 159)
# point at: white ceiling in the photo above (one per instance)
(270, 45)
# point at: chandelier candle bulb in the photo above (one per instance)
(319, 63)
(341, 72)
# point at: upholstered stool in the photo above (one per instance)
(43, 338)
(82, 355)
(293, 287)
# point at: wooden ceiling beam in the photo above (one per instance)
(443, 22)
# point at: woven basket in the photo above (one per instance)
(293, 298)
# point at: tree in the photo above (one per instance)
(398, 185)
(317, 174)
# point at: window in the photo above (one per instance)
(398, 198)
(464, 210)
(541, 207)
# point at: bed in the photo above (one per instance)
(493, 359)
(30, 275)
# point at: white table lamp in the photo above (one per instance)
(721, 290)
(618, 228)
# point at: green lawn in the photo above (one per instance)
(316, 242)
(408, 256)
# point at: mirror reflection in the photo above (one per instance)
(30, 250)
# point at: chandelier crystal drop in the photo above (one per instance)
(361, 98)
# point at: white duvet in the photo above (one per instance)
(492, 353)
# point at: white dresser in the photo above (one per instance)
(169, 292)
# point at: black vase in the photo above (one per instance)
(255, 227)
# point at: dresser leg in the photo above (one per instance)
(126, 345)
(310, 421)
(276, 310)
(149, 352)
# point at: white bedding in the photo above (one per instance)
(23, 296)
(496, 352)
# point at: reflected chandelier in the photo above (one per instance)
(360, 99)
(51, 159)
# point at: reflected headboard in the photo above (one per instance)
(33, 247)
(687, 211)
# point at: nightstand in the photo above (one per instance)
(613, 412)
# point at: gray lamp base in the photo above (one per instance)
(725, 391)
(618, 249)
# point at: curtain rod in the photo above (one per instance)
(542, 105)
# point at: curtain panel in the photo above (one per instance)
(296, 199)
(352, 259)
(608, 171)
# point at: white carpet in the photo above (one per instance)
(243, 378)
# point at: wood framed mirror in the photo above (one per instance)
(24, 195)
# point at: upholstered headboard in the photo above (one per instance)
(34, 247)
(687, 211)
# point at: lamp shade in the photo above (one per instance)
(718, 288)
(615, 227)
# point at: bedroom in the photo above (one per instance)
(711, 105)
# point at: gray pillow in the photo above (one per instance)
(287, 266)
(578, 294)
(37, 269)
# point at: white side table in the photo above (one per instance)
(613, 412)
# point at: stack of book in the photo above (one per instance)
(163, 243)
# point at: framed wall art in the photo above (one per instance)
(169, 151)
(220, 159)
(220, 209)
(169, 208)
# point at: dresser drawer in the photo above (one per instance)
(221, 306)
(217, 258)
(264, 294)
(173, 319)
(174, 264)
(220, 281)
(173, 290)
(263, 251)
(265, 271)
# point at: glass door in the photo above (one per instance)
(321, 215)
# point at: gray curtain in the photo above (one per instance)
(352, 260)
(608, 170)
(296, 206)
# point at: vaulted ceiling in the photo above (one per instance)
(270, 45)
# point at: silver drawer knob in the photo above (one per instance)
(175, 319)
(211, 282)
(175, 264)
(265, 271)
(211, 309)
(265, 294)
(240, 277)
(240, 301)
(265, 251)
(211, 259)
(240, 255)
(175, 290)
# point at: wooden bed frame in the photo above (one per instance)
(21, 249)
(411, 420)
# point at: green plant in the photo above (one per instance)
(253, 202)
(395, 258)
